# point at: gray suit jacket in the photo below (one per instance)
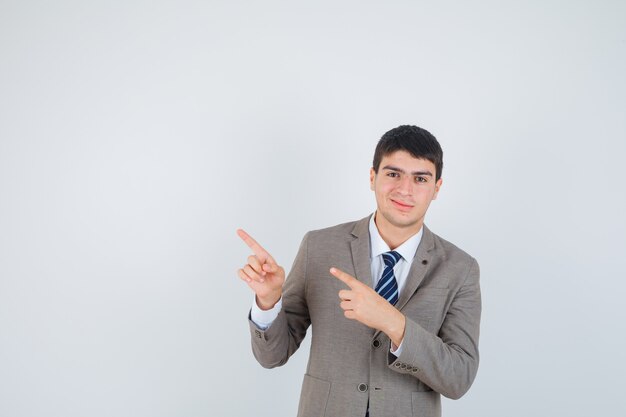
(350, 364)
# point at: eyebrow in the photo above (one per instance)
(400, 170)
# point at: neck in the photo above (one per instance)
(395, 236)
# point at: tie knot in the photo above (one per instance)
(391, 258)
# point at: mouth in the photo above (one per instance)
(401, 206)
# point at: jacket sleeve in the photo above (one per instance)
(273, 346)
(446, 362)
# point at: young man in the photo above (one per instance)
(394, 309)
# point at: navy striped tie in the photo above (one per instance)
(387, 287)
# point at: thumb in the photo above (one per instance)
(272, 268)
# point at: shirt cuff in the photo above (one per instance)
(264, 318)
(398, 351)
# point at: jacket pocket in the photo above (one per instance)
(313, 397)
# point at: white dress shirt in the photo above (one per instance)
(264, 318)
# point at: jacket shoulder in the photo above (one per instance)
(334, 237)
(342, 229)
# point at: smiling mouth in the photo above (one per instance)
(401, 206)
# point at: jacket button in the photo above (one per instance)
(397, 364)
(376, 343)
(362, 387)
(424, 262)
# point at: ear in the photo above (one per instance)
(372, 178)
(437, 187)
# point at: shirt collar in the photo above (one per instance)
(378, 246)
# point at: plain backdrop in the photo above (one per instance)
(137, 136)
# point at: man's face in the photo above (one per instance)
(404, 187)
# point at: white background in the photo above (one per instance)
(136, 136)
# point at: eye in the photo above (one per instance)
(393, 174)
(421, 179)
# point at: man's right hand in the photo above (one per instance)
(262, 274)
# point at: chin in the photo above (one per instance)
(404, 223)
(401, 221)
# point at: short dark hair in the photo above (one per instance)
(420, 143)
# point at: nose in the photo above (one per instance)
(405, 185)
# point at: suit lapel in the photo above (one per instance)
(419, 267)
(360, 248)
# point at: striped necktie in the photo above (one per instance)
(387, 286)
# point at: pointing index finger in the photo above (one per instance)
(254, 245)
(347, 279)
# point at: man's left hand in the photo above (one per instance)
(363, 304)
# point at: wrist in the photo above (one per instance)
(269, 301)
(395, 330)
